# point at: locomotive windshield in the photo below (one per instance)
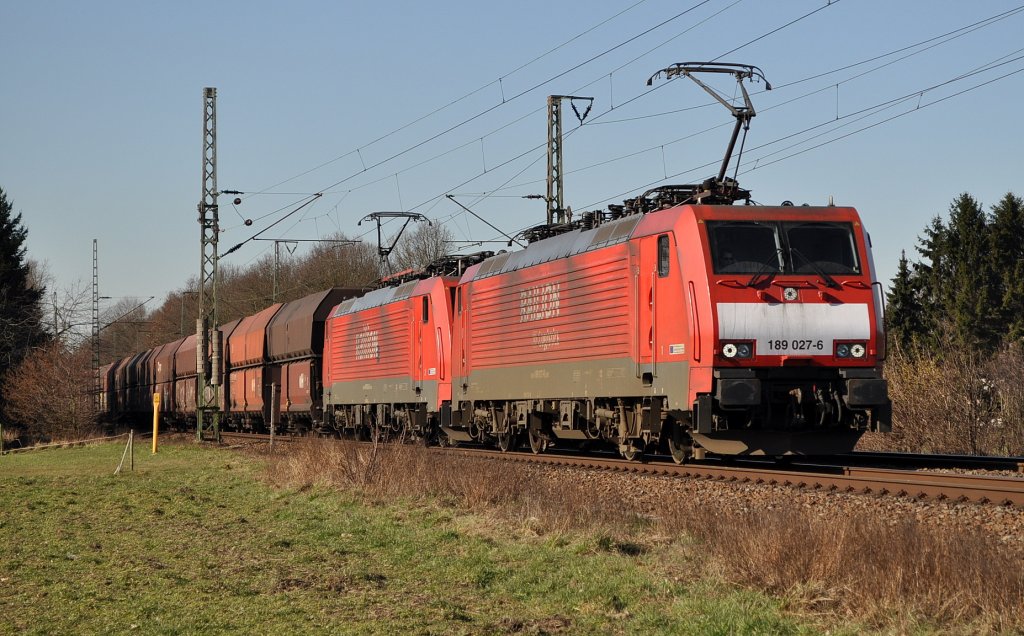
(754, 247)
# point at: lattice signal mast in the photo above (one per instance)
(207, 332)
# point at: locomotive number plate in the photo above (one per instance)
(796, 346)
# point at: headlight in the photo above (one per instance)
(851, 349)
(739, 350)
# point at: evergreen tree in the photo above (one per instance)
(21, 326)
(904, 314)
(930, 278)
(1006, 257)
(970, 293)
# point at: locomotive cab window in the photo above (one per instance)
(814, 248)
(663, 256)
(745, 247)
(426, 309)
(822, 247)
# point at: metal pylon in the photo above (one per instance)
(208, 381)
(555, 200)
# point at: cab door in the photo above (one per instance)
(652, 276)
(421, 336)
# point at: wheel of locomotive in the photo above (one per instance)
(537, 443)
(632, 451)
(506, 441)
(679, 446)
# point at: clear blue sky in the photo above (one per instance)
(101, 115)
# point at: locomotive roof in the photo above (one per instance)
(621, 230)
(386, 295)
(560, 246)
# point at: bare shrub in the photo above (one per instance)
(1006, 371)
(50, 394)
(960, 402)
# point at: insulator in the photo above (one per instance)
(200, 347)
(217, 338)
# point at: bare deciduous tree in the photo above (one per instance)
(422, 246)
(50, 393)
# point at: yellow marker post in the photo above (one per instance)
(156, 418)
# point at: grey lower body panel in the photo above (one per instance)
(383, 391)
(586, 379)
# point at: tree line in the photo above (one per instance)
(955, 319)
(967, 289)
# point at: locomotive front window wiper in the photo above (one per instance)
(764, 269)
(828, 280)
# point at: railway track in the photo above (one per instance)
(982, 489)
(919, 460)
(899, 482)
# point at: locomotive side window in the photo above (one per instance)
(822, 247)
(426, 309)
(745, 247)
(663, 256)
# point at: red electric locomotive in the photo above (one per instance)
(731, 329)
(387, 357)
(680, 318)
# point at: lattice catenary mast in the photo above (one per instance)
(207, 365)
(96, 387)
(556, 209)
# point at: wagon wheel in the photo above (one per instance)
(506, 440)
(537, 443)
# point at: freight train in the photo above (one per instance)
(677, 321)
(665, 322)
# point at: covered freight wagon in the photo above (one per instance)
(295, 344)
(247, 389)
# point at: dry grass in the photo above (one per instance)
(386, 472)
(892, 576)
(865, 567)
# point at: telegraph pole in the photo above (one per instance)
(207, 365)
(556, 208)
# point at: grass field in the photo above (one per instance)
(195, 542)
